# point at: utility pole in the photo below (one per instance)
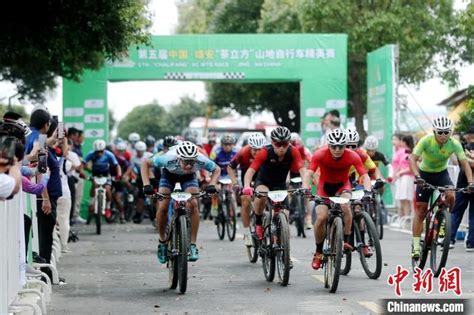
(206, 122)
(10, 101)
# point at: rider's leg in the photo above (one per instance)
(346, 209)
(162, 214)
(193, 207)
(245, 210)
(320, 226)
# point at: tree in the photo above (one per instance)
(64, 38)
(15, 108)
(210, 16)
(182, 114)
(466, 118)
(150, 119)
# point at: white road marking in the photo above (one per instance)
(372, 306)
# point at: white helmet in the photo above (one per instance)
(371, 143)
(337, 137)
(99, 145)
(257, 140)
(133, 137)
(187, 150)
(352, 135)
(295, 137)
(140, 146)
(121, 146)
(442, 123)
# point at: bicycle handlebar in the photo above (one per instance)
(445, 188)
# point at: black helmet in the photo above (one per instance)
(169, 141)
(280, 134)
(150, 141)
(227, 139)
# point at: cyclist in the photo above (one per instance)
(137, 160)
(211, 142)
(150, 142)
(434, 151)
(371, 144)
(101, 162)
(272, 163)
(244, 159)
(133, 138)
(179, 166)
(120, 185)
(334, 162)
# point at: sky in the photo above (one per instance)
(123, 96)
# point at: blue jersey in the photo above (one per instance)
(223, 158)
(101, 165)
(170, 161)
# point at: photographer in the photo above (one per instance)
(11, 133)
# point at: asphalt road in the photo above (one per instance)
(118, 273)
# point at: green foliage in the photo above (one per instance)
(466, 118)
(181, 114)
(64, 38)
(466, 31)
(150, 119)
(15, 108)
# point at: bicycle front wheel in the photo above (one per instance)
(300, 210)
(220, 222)
(183, 251)
(173, 259)
(369, 238)
(283, 249)
(440, 243)
(252, 251)
(332, 267)
(268, 258)
(231, 219)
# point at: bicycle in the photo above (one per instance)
(437, 231)
(226, 219)
(298, 211)
(333, 243)
(178, 237)
(274, 248)
(364, 235)
(252, 251)
(377, 210)
(100, 203)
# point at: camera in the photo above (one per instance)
(7, 148)
(42, 157)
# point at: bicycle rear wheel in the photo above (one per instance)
(220, 222)
(380, 219)
(172, 260)
(231, 219)
(346, 261)
(283, 252)
(440, 243)
(372, 264)
(268, 258)
(252, 251)
(183, 252)
(332, 267)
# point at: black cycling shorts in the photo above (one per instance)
(436, 179)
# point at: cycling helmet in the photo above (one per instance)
(121, 146)
(140, 146)
(99, 145)
(187, 150)
(442, 123)
(371, 143)
(352, 135)
(257, 140)
(15, 128)
(337, 137)
(150, 141)
(170, 141)
(191, 136)
(133, 137)
(295, 137)
(280, 134)
(117, 140)
(227, 139)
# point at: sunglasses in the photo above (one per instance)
(189, 162)
(441, 133)
(281, 144)
(337, 147)
(351, 146)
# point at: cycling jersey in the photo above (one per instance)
(379, 157)
(170, 161)
(101, 165)
(272, 171)
(243, 158)
(334, 177)
(137, 162)
(222, 158)
(304, 152)
(435, 156)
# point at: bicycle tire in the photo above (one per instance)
(172, 260)
(374, 243)
(299, 222)
(183, 252)
(220, 222)
(346, 262)
(332, 267)
(231, 219)
(268, 258)
(252, 251)
(380, 220)
(283, 254)
(98, 214)
(443, 245)
(424, 244)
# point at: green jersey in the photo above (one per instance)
(435, 156)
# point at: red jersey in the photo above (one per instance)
(208, 148)
(243, 158)
(272, 170)
(304, 152)
(335, 171)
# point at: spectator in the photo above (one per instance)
(404, 178)
(73, 176)
(464, 200)
(330, 121)
(76, 147)
(397, 152)
(64, 202)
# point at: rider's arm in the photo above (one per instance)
(298, 164)
(254, 167)
(467, 170)
(145, 171)
(366, 182)
(308, 175)
(413, 165)
(232, 167)
(215, 175)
